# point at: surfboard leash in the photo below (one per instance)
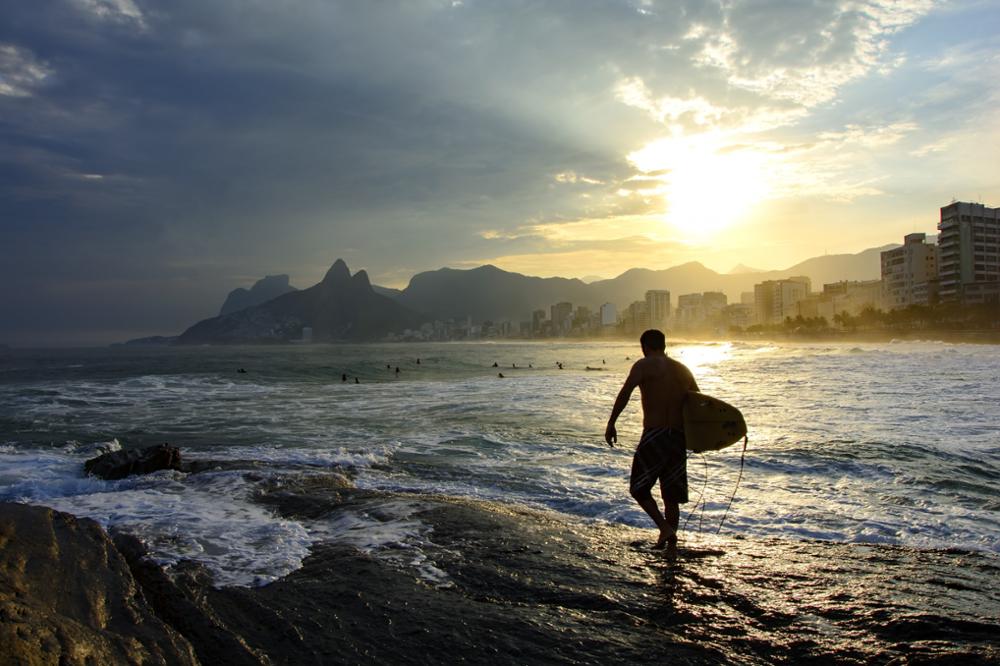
(701, 498)
(743, 455)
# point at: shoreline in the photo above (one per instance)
(526, 586)
(943, 336)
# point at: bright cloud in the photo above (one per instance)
(20, 71)
(122, 11)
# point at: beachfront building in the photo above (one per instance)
(737, 315)
(969, 246)
(635, 319)
(537, 322)
(690, 313)
(776, 299)
(609, 315)
(850, 296)
(909, 273)
(712, 304)
(658, 308)
(562, 317)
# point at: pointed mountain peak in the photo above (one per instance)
(361, 281)
(337, 273)
(743, 269)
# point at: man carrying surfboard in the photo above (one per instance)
(660, 455)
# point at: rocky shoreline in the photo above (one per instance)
(516, 586)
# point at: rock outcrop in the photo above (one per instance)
(68, 597)
(119, 464)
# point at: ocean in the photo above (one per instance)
(894, 443)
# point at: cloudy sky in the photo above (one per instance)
(155, 155)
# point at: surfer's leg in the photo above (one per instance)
(671, 520)
(648, 504)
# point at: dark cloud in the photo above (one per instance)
(160, 153)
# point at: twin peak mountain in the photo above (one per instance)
(340, 307)
(349, 308)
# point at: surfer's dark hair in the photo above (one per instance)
(653, 340)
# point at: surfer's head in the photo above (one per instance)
(653, 341)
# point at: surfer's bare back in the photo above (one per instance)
(660, 455)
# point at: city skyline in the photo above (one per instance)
(148, 151)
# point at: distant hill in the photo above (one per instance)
(486, 293)
(866, 265)
(341, 307)
(387, 291)
(739, 269)
(262, 291)
(152, 341)
(489, 293)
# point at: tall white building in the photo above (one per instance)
(658, 307)
(969, 245)
(776, 299)
(908, 273)
(609, 315)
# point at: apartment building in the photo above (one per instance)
(969, 245)
(909, 273)
(776, 299)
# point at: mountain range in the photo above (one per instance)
(340, 307)
(262, 291)
(488, 292)
(346, 307)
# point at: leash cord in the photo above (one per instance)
(739, 478)
(701, 496)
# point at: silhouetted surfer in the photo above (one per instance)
(495, 364)
(660, 455)
(343, 377)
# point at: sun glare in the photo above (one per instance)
(708, 187)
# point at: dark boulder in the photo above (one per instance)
(67, 596)
(179, 599)
(119, 464)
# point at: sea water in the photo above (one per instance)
(884, 443)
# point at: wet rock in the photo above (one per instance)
(179, 600)
(119, 464)
(68, 597)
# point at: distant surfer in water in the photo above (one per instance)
(660, 455)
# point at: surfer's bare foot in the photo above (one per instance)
(667, 538)
(666, 535)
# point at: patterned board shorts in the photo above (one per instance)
(661, 455)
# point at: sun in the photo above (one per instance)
(708, 187)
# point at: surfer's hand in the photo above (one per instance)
(611, 435)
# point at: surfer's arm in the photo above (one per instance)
(611, 433)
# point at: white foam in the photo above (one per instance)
(387, 530)
(207, 517)
(271, 454)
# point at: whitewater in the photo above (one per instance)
(895, 443)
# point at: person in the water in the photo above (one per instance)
(661, 454)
